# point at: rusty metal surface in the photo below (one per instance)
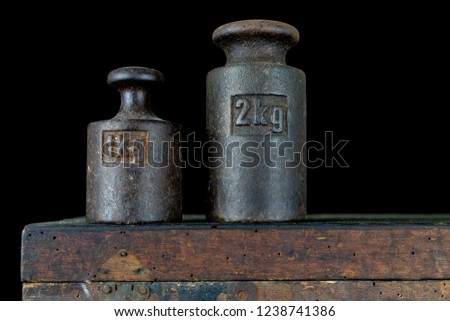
(256, 117)
(131, 175)
(435, 290)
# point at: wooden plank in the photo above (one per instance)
(265, 290)
(74, 251)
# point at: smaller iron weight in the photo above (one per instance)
(132, 177)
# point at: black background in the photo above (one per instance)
(375, 76)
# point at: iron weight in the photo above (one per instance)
(256, 119)
(131, 173)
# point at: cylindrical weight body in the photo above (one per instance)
(132, 177)
(256, 119)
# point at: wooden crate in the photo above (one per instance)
(387, 259)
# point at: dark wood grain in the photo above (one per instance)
(73, 251)
(265, 290)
